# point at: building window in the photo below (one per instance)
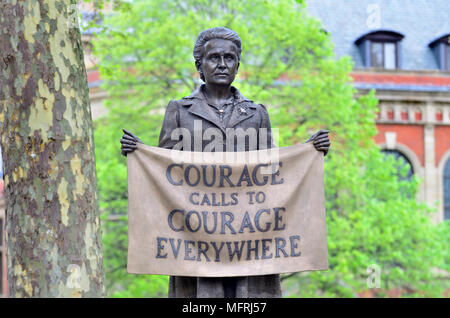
(380, 49)
(441, 51)
(402, 162)
(383, 55)
(404, 114)
(417, 115)
(390, 114)
(447, 190)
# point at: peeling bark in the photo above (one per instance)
(53, 236)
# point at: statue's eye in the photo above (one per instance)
(214, 57)
(229, 57)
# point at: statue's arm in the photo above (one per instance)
(170, 123)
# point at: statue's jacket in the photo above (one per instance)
(197, 116)
(194, 114)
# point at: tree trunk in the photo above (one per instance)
(53, 237)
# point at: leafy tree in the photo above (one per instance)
(288, 64)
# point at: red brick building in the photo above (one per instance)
(402, 50)
(414, 121)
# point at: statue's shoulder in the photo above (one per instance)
(193, 98)
(178, 103)
(259, 107)
(248, 102)
(264, 110)
(185, 101)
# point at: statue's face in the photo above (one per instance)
(220, 62)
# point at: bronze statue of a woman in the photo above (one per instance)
(218, 105)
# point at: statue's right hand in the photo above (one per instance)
(129, 142)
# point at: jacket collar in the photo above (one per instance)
(198, 94)
(198, 106)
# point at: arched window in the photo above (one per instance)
(380, 49)
(447, 190)
(402, 160)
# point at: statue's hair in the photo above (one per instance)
(214, 33)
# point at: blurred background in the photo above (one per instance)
(374, 72)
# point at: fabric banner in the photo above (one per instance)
(226, 214)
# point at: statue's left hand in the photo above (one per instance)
(129, 142)
(321, 141)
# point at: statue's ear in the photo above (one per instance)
(198, 64)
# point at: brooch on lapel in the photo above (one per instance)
(242, 111)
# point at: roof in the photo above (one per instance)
(420, 21)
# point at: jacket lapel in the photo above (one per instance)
(242, 111)
(200, 108)
(243, 108)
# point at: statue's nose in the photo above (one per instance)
(222, 62)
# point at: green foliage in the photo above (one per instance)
(113, 200)
(146, 60)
